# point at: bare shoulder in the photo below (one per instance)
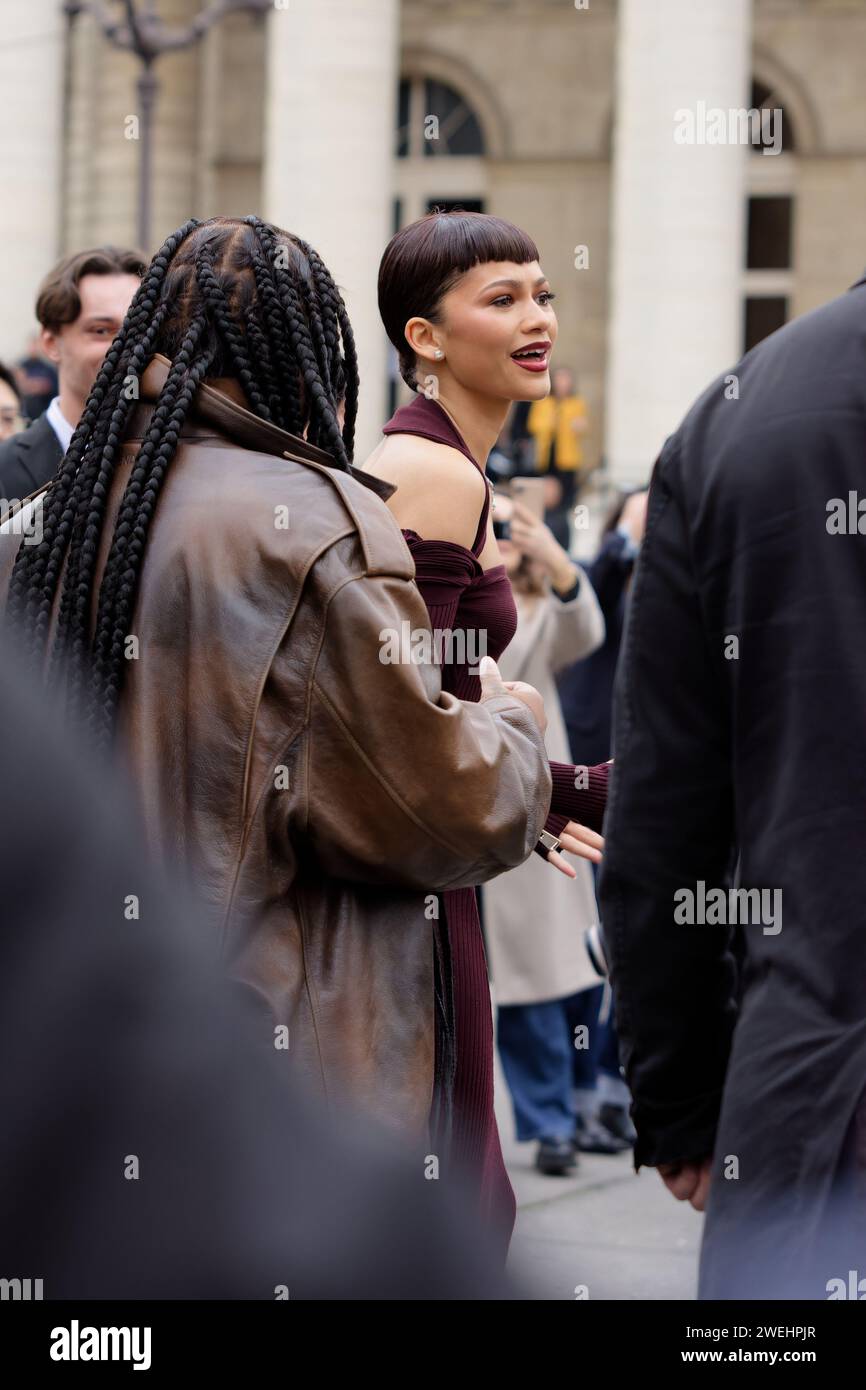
(438, 491)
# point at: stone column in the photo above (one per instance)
(332, 74)
(31, 107)
(678, 218)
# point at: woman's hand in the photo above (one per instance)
(537, 541)
(579, 840)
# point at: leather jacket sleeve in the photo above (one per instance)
(403, 783)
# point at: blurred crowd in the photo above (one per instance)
(556, 1020)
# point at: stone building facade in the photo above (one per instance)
(525, 93)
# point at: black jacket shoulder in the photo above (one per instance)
(29, 459)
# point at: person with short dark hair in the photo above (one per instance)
(469, 310)
(37, 378)
(80, 306)
(11, 417)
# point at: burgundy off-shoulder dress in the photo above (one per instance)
(460, 595)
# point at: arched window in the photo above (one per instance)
(768, 273)
(767, 99)
(439, 150)
(435, 121)
(439, 160)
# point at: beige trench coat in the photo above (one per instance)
(535, 917)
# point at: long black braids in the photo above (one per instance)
(323, 427)
(225, 298)
(338, 330)
(285, 366)
(93, 483)
(261, 351)
(230, 332)
(120, 582)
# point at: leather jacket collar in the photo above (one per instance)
(215, 409)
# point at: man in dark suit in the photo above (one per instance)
(28, 460)
(739, 716)
(80, 306)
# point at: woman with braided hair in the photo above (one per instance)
(213, 594)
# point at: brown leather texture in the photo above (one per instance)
(316, 797)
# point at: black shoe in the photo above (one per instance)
(592, 1137)
(616, 1118)
(556, 1157)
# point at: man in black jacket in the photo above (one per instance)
(81, 305)
(740, 708)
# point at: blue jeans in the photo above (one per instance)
(548, 1077)
(535, 1047)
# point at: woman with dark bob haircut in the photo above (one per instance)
(466, 304)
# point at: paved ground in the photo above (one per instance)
(615, 1231)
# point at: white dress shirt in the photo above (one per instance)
(59, 423)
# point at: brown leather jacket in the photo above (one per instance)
(317, 797)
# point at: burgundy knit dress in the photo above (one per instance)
(459, 594)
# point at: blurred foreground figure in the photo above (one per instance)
(738, 729)
(148, 1148)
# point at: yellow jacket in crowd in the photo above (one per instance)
(554, 417)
